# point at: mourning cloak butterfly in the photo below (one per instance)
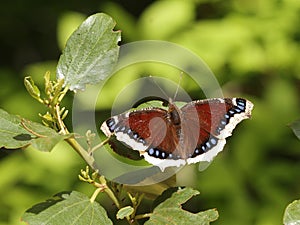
(177, 136)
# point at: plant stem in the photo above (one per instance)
(60, 122)
(31, 131)
(98, 146)
(63, 93)
(112, 196)
(142, 216)
(95, 194)
(82, 152)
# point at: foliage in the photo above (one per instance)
(67, 208)
(88, 59)
(253, 48)
(16, 132)
(170, 211)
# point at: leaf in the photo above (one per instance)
(170, 211)
(124, 212)
(14, 135)
(292, 214)
(296, 128)
(164, 196)
(90, 53)
(67, 208)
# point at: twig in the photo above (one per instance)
(31, 131)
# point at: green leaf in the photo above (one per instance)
(292, 214)
(124, 212)
(67, 208)
(14, 135)
(90, 53)
(296, 128)
(164, 196)
(170, 211)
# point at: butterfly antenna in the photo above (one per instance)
(177, 89)
(162, 91)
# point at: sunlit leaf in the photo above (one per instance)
(16, 132)
(67, 208)
(171, 212)
(90, 53)
(292, 214)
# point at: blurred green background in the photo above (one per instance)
(253, 48)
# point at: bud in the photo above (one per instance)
(32, 89)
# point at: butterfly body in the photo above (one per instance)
(177, 136)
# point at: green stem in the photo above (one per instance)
(63, 93)
(95, 194)
(31, 131)
(112, 196)
(109, 192)
(61, 125)
(136, 204)
(82, 152)
(142, 216)
(98, 146)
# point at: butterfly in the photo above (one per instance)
(195, 132)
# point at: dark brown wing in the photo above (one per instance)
(143, 129)
(208, 122)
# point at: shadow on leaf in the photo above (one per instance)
(36, 209)
(23, 137)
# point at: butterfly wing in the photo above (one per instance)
(207, 123)
(144, 129)
(149, 131)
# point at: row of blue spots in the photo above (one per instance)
(111, 124)
(206, 146)
(157, 153)
(240, 107)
